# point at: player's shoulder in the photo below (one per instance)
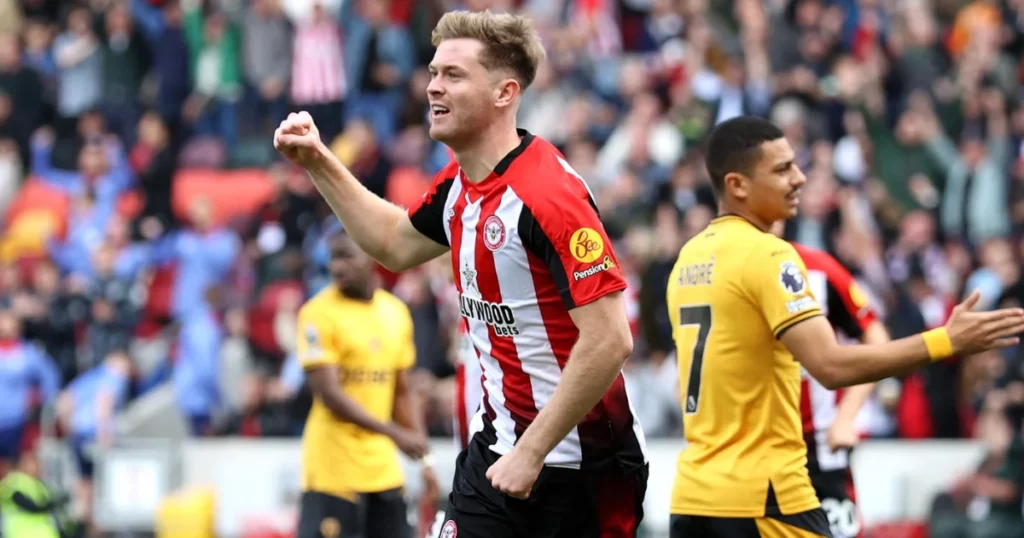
(392, 304)
(323, 301)
(766, 247)
(545, 176)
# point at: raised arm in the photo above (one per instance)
(382, 229)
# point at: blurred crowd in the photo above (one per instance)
(152, 237)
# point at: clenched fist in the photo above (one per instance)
(298, 139)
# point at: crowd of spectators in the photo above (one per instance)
(150, 234)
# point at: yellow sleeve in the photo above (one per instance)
(316, 343)
(776, 278)
(407, 356)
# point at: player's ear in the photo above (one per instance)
(507, 92)
(736, 185)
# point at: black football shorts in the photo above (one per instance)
(374, 515)
(565, 503)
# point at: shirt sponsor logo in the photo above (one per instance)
(606, 265)
(494, 233)
(499, 316)
(364, 376)
(586, 245)
(860, 300)
(801, 304)
(791, 278)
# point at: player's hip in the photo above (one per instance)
(564, 502)
(341, 476)
(741, 490)
(806, 524)
(592, 445)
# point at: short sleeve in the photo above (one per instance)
(777, 281)
(566, 233)
(316, 344)
(428, 216)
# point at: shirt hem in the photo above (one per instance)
(684, 510)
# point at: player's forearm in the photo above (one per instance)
(867, 363)
(346, 409)
(406, 414)
(593, 364)
(367, 218)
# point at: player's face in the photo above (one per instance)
(350, 267)
(461, 93)
(775, 183)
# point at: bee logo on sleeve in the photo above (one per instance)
(586, 245)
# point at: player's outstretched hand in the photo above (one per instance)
(298, 139)
(414, 445)
(972, 332)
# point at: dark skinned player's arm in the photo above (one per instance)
(407, 404)
(323, 382)
(813, 343)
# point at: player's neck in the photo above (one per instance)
(725, 210)
(479, 158)
(362, 295)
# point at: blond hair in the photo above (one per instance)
(510, 41)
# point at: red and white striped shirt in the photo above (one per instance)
(468, 386)
(527, 247)
(318, 72)
(847, 309)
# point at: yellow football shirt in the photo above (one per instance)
(369, 342)
(733, 291)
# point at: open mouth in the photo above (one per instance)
(437, 111)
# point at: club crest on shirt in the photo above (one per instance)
(449, 530)
(791, 278)
(494, 233)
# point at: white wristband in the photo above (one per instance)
(427, 460)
